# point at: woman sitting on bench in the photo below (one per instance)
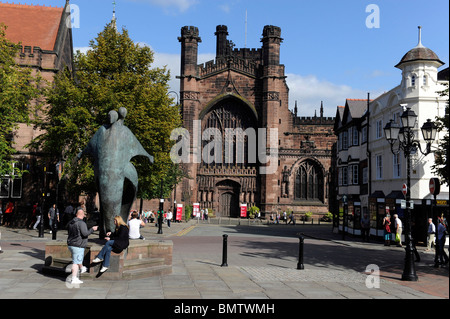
(116, 242)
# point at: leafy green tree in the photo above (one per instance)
(19, 91)
(115, 72)
(440, 166)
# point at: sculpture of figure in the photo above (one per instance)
(112, 147)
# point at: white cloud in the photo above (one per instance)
(81, 49)
(181, 5)
(309, 91)
(225, 8)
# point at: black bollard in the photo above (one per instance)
(300, 254)
(41, 227)
(54, 230)
(224, 251)
(160, 221)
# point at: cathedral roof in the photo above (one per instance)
(419, 53)
(32, 25)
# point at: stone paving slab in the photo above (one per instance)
(255, 271)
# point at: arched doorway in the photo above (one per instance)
(228, 192)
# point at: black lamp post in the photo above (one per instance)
(161, 210)
(406, 140)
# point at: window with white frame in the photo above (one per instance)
(364, 134)
(396, 160)
(354, 174)
(345, 176)
(365, 175)
(413, 80)
(355, 136)
(345, 140)
(379, 129)
(379, 166)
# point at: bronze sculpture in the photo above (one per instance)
(112, 147)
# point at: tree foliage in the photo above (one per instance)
(440, 166)
(18, 89)
(115, 72)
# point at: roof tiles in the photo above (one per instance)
(30, 24)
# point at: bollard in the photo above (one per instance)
(54, 230)
(224, 251)
(41, 227)
(160, 221)
(300, 254)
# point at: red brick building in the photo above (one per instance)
(246, 89)
(46, 38)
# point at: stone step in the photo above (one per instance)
(61, 262)
(147, 272)
(142, 263)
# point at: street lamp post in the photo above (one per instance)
(161, 210)
(404, 134)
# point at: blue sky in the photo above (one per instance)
(329, 51)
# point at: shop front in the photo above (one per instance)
(377, 212)
(354, 215)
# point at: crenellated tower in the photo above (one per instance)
(241, 89)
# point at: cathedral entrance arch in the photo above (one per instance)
(230, 117)
(228, 192)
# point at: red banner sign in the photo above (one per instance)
(196, 210)
(243, 210)
(179, 213)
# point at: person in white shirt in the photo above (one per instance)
(169, 217)
(399, 229)
(430, 233)
(135, 224)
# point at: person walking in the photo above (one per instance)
(117, 241)
(8, 214)
(291, 218)
(430, 234)
(441, 242)
(398, 230)
(387, 230)
(53, 217)
(76, 241)
(169, 217)
(39, 218)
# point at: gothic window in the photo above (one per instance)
(229, 121)
(309, 182)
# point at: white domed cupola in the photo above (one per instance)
(419, 68)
